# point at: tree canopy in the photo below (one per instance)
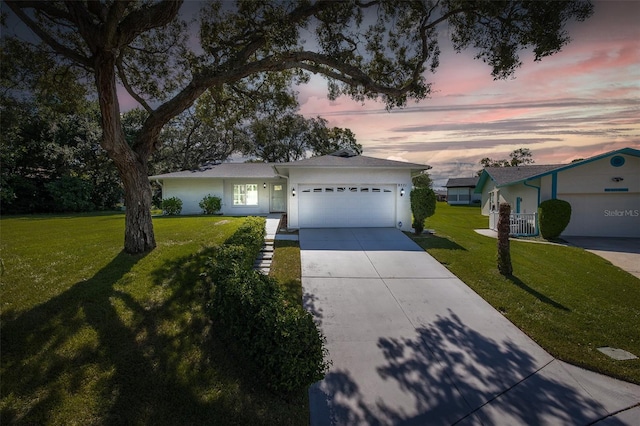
(518, 157)
(365, 49)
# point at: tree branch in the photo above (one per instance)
(17, 7)
(142, 20)
(127, 86)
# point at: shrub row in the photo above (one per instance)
(282, 341)
(210, 204)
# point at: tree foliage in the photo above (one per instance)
(366, 50)
(52, 160)
(292, 137)
(518, 157)
(422, 180)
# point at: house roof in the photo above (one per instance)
(224, 170)
(506, 175)
(503, 176)
(355, 161)
(462, 182)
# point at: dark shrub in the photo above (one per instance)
(211, 204)
(282, 341)
(554, 216)
(172, 206)
(423, 205)
(71, 194)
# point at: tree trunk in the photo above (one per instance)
(138, 233)
(504, 249)
(132, 166)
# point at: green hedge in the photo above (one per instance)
(554, 216)
(172, 206)
(282, 341)
(210, 204)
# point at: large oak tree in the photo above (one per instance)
(365, 48)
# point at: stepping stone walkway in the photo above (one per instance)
(263, 261)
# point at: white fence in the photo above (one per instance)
(522, 224)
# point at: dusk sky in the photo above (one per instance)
(580, 102)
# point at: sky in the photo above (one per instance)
(578, 103)
(581, 102)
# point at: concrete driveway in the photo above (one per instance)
(622, 252)
(413, 345)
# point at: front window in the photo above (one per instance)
(245, 194)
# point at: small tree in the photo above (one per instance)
(422, 180)
(554, 217)
(172, 206)
(211, 204)
(504, 248)
(423, 205)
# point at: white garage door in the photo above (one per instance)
(603, 215)
(339, 206)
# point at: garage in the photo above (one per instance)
(603, 215)
(347, 205)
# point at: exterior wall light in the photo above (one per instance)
(617, 179)
(264, 185)
(293, 192)
(402, 192)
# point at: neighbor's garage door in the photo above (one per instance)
(335, 206)
(603, 215)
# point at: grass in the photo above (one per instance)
(286, 269)
(568, 300)
(91, 335)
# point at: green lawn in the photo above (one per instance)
(91, 335)
(286, 269)
(568, 300)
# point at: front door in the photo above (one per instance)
(278, 198)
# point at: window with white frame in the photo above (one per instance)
(245, 194)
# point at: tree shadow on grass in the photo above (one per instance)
(39, 362)
(450, 374)
(98, 353)
(435, 242)
(535, 293)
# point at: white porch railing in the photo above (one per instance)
(522, 224)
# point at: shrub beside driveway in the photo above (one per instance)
(568, 300)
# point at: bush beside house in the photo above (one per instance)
(211, 204)
(554, 216)
(172, 206)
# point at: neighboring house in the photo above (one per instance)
(337, 190)
(462, 191)
(604, 193)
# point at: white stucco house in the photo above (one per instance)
(337, 190)
(604, 193)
